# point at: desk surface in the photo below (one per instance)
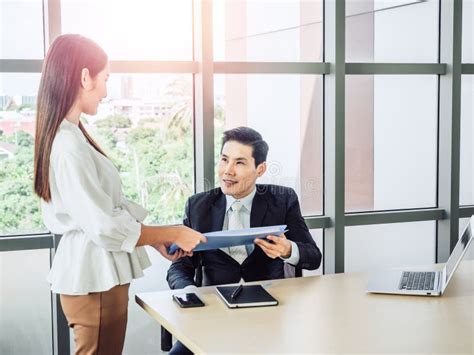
(329, 314)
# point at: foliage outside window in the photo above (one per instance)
(153, 150)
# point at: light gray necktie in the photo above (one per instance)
(239, 253)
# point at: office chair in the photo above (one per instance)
(166, 337)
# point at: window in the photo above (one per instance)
(468, 31)
(466, 186)
(287, 111)
(145, 125)
(21, 29)
(389, 245)
(258, 31)
(133, 30)
(20, 212)
(392, 31)
(391, 135)
(25, 324)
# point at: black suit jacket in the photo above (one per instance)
(272, 205)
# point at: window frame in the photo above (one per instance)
(334, 69)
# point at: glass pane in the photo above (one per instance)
(318, 238)
(273, 30)
(143, 332)
(370, 248)
(145, 126)
(470, 252)
(392, 31)
(466, 188)
(468, 31)
(133, 30)
(391, 142)
(25, 303)
(20, 212)
(287, 111)
(21, 29)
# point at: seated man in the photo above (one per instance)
(240, 203)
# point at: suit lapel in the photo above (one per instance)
(218, 213)
(259, 208)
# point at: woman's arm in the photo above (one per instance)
(162, 237)
(110, 227)
(186, 238)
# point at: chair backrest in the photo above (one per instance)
(292, 271)
(198, 273)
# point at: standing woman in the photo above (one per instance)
(81, 198)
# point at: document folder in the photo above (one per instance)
(231, 238)
(250, 296)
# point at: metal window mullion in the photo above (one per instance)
(468, 69)
(334, 133)
(203, 96)
(271, 68)
(395, 68)
(117, 66)
(21, 65)
(402, 216)
(317, 222)
(466, 211)
(449, 126)
(52, 21)
(26, 242)
(153, 66)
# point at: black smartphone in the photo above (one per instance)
(188, 300)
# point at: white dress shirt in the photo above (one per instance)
(245, 211)
(100, 227)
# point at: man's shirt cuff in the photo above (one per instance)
(294, 257)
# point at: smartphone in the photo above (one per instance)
(188, 300)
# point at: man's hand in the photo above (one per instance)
(163, 250)
(280, 248)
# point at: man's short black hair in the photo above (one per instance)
(250, 137)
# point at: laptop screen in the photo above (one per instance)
(458, 251)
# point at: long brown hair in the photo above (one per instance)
(59, 86)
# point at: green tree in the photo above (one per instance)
(24, 139)
(155, 160)
(113, 122)
(20, 207)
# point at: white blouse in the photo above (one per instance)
(100, 227)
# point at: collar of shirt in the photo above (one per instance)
(74, 128)
(246, 201)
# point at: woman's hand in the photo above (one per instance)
(188, 239)
(163, 250)
(161, 237)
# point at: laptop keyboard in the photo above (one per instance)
(420, 281)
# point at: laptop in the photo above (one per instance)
(422, 283)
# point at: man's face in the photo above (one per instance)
(237, 171)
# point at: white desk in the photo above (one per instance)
(325, 314)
